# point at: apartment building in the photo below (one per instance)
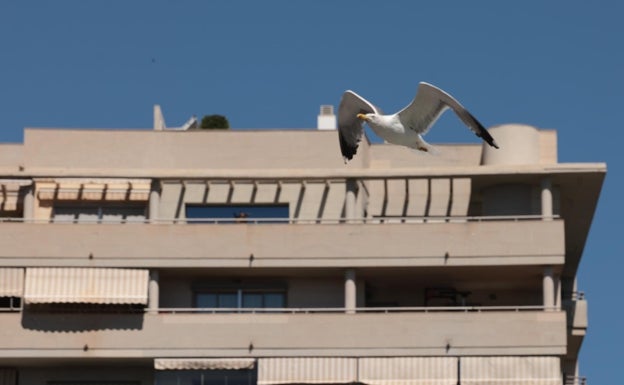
(258, 257)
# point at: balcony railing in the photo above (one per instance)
(575, 380)
(386, 310)
(371, 220)
(331, 310)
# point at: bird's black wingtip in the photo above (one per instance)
(347, 150)
(483, 133)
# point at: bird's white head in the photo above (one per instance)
(367, 117)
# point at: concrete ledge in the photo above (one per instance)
(530, 242)
(260, 335)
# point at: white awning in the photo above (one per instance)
(93, 189)
(307, 370)
(11, 282)
(408, 371)
(511, 370)
(86, 285)
(204, 363)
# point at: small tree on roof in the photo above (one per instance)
(214, 122)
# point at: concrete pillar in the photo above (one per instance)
(153, 292)
(154, 203)
(350, 292)
(547, 199)
(350, 200)
(29, 205)
(558, 293)
(548, 288)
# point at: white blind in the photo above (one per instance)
(307, 370)
(204, 363)
(408, 370)
(11, 282)
(511, 370)
(94, 189)
(86, 285)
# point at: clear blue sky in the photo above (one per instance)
(270, 64)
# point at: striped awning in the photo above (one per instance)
(511, 370)
(93, 189)
(86, 285)
(408, 370)
(307, 370)
(204, 363)
(11, 282)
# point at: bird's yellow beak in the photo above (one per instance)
(363, 117)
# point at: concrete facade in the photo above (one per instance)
(390, 268)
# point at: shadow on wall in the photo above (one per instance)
(44, 318)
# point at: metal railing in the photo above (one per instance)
(338, 310)
(11, 309)
(575, 380)
(340, 220)
(331, 310)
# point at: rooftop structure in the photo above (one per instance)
(258, 257)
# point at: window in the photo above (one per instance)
(88, 382)
(240, 296)
(10, 303)
(240, 299)
(98, 213)
(237, 213)
(207, 377)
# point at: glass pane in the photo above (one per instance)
(203, 300)
(89, 214)
(274, 300)
(235, 213)
(118, 214)
(77, 213)
(252, 300)
(206, 377)
(228, 300)
(64, 217)
(178, 377)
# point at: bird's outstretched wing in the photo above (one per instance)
(350, 127)
(430, 102)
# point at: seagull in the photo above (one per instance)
(405, 127)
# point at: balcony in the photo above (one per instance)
(577, 321)
(300, 332)
(498, 241)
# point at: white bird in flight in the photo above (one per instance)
(405, 127)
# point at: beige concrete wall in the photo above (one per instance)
(260, 335)
(548, 147)
(314, 292)
(188, 150)
(175, 292)
(381, 288)
(392, 156)
(262, 149)
(418, 197)
(276, 245)
(11, 156)
(307, 200)
(521, 144)
(470, 292)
